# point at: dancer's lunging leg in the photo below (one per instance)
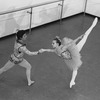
(26, 65)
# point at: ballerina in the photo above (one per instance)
(69, 50)
(17, 56)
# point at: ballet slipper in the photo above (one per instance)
(95, 21)
(30, 83)
(71, 84)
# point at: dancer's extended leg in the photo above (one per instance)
(80, 45)
(83, 40)
(26, 65)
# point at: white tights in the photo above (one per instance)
(80, 46)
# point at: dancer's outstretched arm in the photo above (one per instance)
(46, 50)
(25, 50)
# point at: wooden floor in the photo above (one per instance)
(51, 75)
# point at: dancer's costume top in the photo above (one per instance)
(17, 56)
(70, 53)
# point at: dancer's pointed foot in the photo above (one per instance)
(95, 21)
(30, 83)
(71, 84)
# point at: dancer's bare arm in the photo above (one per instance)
(46, 50)
(25, 50)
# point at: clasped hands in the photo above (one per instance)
(41, 50)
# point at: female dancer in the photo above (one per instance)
(69, 50)
(17, 56)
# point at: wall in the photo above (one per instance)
(41, 15)
(93, 7)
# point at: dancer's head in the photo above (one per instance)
(21, 35)
(56, 42)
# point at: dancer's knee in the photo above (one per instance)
(29, 67)
(75, 70)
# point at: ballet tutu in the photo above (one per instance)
(75, 57)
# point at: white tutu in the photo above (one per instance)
(75, 61)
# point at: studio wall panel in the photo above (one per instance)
(12, 21)
(41, 15)
(21, 19)
(72, 7)
(93, 7)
